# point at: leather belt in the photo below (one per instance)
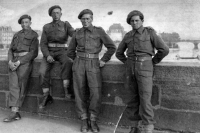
(57, 45)
(87, 55)
(139, 58)
(20, 54)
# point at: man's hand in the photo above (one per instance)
(50, 59)
(102, 63)
(16, 64)
(11, 65)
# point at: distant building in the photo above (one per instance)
(116, 32)
(6, 35)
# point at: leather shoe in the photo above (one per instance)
(46, 99)
(84, 126)
(12, 117)
(94, 127)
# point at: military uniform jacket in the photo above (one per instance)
(142, 42)
(55, 32)
(24, 41)
(90, 40)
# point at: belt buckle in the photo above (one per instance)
(136, 58)
(87, 55)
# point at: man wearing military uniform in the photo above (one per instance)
(53, 46)
(84, 49)
(140, 44)
(23, 50)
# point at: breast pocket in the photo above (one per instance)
(61, 32)
(145, 43)
(27, 42)
(94, 41)
(80, 40)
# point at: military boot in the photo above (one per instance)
(145, 128)
(84, 126)
(12, 117)
(94, 127)
(66, 84)
(46, 99)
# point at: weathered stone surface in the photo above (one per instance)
(30, 104)
(181, 102)
(57, 88)
(111, 91)
(113, 71)
(4, 82)
(177, 120)
(61, 108)
(3, 67)
(34, 86)
(3, 99)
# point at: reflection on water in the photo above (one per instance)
(186, 49)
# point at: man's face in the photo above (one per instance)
(86, 20)
(136, 22)
(25, 23)
(56, 14)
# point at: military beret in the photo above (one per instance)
(53, 7)
(85, 11)
(23, 17)
(134, 13)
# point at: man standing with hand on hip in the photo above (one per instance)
(23, 50)
(53, 46)
(84, 49)
(140, 43)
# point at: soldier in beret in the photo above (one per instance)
(84, 49)
(140, 43)
(23, 50)
(53, 46)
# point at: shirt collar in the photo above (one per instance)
(57, 22)
(90, 28)
(26, 31)
(140, 30)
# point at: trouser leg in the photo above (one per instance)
(145, 82)
(66, 72)
(18, 84)
(95, 85)
(44, 75)
(133, 100)
(79, 83)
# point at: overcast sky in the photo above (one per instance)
(182, 16)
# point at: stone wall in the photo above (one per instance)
(176, 95)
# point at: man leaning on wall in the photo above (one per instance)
(53, 46)
(23, 50)
(84, 49)
(140, 43)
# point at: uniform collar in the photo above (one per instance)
(140, 30)
(90, 28)
(59, 22)
(26, 31)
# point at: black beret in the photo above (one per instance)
(85, 11)
(23, 17)
(134, 13)
(53, 7)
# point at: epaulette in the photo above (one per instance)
(98, 27)
(35, 32)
